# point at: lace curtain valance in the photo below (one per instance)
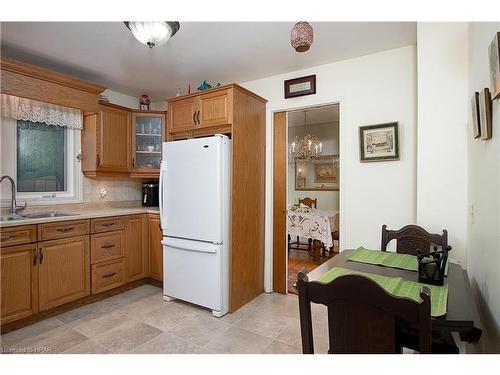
(35, 111)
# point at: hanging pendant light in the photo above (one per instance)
(306, 147)
(154, 33)
(301, 36)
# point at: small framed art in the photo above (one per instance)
(379, 142)
(494, 57)
(485, 113)
(300, 86)
(476, 119)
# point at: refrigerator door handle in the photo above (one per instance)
(201, 247)
(161, 198)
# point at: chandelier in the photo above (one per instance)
(306, 147)
(153, 33)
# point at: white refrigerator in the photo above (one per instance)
(194, 198)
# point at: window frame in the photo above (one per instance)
(74, 176)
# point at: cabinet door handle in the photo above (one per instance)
(108, 224)
(34, 257)
(41, 255)
(64, 230)
(194, 117)
(198, 117)
(98, 161)
(133, 162)
(109, 275)
(107, 246)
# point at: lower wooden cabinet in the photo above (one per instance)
(19, 286)
(63, 271)
(155, 248)
(136, 248)
(108, 275)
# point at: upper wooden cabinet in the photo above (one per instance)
(122, 142)
(191, 115)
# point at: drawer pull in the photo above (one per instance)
(34, 257)
(64, 230)
(108, 224)
(110, 275)
(107, 246)
(6, 238)
(41, 255)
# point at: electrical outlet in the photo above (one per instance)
(103, 193)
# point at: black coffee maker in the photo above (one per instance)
(150, 193)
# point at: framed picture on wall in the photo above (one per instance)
(485, 113)
(300, 86)
(494, 58)
(476, 120)
(325, 172)
(317, 174)
(379, 142)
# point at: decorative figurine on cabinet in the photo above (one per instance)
(204, 86)
(144, 102)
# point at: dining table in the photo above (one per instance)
(461, 315)
(314, 224)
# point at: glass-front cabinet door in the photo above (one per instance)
(148, 134)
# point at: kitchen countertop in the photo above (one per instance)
(82, 213)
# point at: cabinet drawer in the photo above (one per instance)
(107, 224)
(107, 246)
(108, 275)
(52, 231)
(17, 235)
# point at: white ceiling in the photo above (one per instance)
(106, 52)
(314, 116)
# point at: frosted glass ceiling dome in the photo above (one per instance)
(153, 33)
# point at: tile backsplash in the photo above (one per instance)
(111, 189)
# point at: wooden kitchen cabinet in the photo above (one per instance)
(106, 142)
(155, 248)
(214, 109)
(136, 247)
(148, 133)
(182, 114)
(63, 271)
(19, 286)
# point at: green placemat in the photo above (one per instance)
(398, 287)
(387, 259)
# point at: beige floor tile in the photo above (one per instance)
(32, 330)
(104, 323)
(199, 330)
(167, 343)
(127, 337)
(278, 304)
(87, 347)
(54, 341)
(165, 317)
(88, 312)
(277, 347)
(238, 314)
(292, 336)
(265, 324)
(238, 341)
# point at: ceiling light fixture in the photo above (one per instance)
(306, 147)
(301, 36)
(153, 33)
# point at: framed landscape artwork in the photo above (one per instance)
(476, 120)
(494, 57)
(485, 113)
(379, 142)
(325, 172)
(317, 174)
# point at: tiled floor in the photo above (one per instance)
(138, 321)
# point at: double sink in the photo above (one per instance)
(35, 215)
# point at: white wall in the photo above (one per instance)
(329, 136)
(442, 125)
(483, 247)
(371, 89)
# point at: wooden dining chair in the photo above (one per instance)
(411, 239)
(309, 202)
(299, 245)
(362, 316)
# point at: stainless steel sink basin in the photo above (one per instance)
(40, 215)
(11, 218)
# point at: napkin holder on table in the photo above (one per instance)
(432, 266)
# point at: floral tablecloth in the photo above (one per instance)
(317, 224)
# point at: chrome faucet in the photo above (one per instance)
(13, 204)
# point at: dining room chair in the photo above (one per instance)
(362, 316)
(411, 239)
(301, 245)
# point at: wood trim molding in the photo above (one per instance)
(29, 70)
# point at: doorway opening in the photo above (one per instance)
(306, 191)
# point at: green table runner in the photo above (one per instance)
(398, 287)
(387, 258)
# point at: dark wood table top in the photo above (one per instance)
(461, 313)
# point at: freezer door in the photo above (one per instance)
(192, 272)
(191, 191)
